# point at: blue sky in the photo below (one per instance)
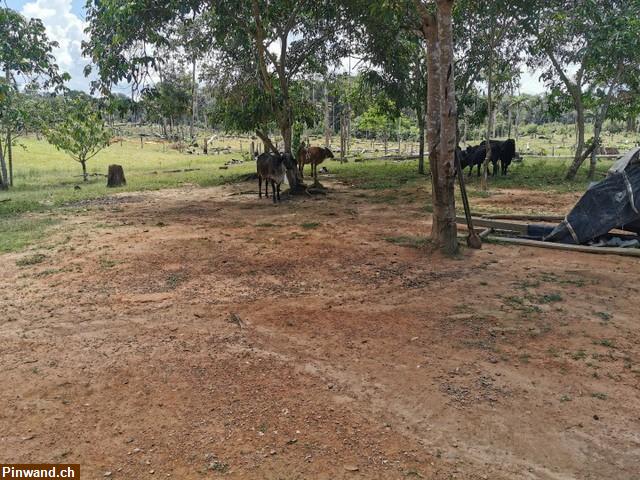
(64, 20)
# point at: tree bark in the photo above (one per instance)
(85, 176)
(430, 33)
(447, 238)
(578, 157)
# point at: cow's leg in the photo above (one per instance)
(278, 186)
(259, 186)
(273, 190)
(266, 187)
(301, 168)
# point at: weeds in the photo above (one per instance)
(310, 225)
(31, 260)
(407, 241)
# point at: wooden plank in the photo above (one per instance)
(629, 252)
(532, 218)
(495, 224)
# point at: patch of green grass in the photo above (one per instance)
(604, 316)
(407, 241)
(46, 178)
(107, 263)
(378, 174)
(266, 225)
(174, 279)
(218, 466)
(524, 284)
(565, 398)
(605, 342)
(548, 298)
(16, 232)
(520, 303)
(599, 396)
(310, 225)
(579, 355)
(553, 278)
(31, 260)
(479, 193)
(390, 198)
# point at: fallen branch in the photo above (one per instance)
(5, 200)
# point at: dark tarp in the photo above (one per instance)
(611, 203)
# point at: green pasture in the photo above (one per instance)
(47, 181)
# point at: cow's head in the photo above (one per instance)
(288, 160)
(328, 153)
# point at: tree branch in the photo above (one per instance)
(267, 141)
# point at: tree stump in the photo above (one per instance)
(115, 177)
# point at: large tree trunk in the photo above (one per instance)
(447, 235)
(430, 33)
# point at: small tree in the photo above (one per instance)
(81, 132)
(25, 58)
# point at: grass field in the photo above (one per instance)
(48, 182)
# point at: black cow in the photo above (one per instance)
(502, 151)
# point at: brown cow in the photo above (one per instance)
(314, 156)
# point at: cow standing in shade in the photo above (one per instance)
(313, 155)
(502, 151)
(272, 167)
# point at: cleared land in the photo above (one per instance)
(202, 333)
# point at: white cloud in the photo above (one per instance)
(67, 29)
(530, 82)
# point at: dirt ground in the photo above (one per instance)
(204, 333)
